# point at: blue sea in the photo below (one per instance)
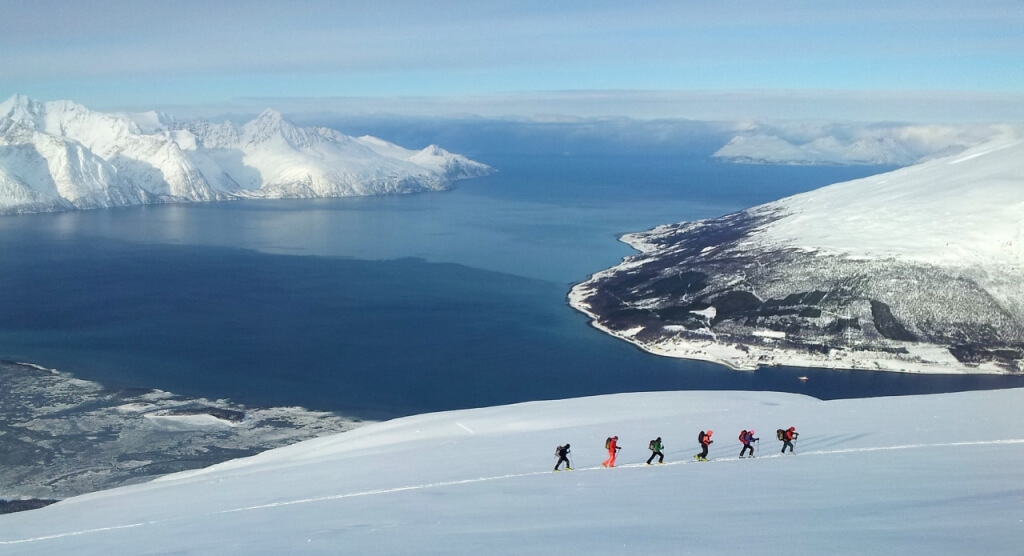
(385, 306)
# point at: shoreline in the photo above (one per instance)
(756, 356)
(93, 438)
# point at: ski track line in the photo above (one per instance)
(77, 533)
(498, 478)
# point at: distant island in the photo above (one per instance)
(916, 270)
(62, 156)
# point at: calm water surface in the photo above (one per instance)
(377, 307)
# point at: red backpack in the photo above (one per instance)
(743, 436)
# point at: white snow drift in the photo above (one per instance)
(913, 475)
(60, 155)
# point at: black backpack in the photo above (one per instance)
(558, 451)
(700, 437)
(608, 443)
(780, 434)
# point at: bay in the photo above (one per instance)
(384, 306)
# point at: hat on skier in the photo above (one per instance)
(710, 432)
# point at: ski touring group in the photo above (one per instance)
(746, 438)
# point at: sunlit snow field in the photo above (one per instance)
(920, 475)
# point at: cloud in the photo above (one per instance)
(862, 106)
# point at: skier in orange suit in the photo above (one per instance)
(613, 446)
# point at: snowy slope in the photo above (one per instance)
(917, 270)
(60, 155)
(920, 475)
(963, 210)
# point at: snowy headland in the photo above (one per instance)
(60, 155)
(916, 270)
(935, 474)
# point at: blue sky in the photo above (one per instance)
(495, 57)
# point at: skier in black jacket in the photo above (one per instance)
(563, 455)
(705, 441)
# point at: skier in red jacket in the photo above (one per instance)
(613, 446)
(788, 436)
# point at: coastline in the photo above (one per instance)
(751, 357)
(62, 436)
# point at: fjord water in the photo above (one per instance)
(384, 306)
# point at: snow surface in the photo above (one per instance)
(60, 155)
(931, 475)
(964, 210)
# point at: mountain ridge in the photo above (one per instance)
(59, 155)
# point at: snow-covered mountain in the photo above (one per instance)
(920, 269)
(837, 143)
(61, 155)
(920, 475)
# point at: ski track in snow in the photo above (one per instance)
(441, 484)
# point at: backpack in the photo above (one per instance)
(558, 451)
(650, 445)
(743, 436)
(701, 437)
(780, 434)
(608, 443)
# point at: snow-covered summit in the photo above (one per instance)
(125, 159)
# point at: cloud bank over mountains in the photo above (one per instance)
(839, 143)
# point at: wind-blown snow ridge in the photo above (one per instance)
(60, 155)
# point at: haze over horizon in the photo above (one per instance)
(944, 62)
